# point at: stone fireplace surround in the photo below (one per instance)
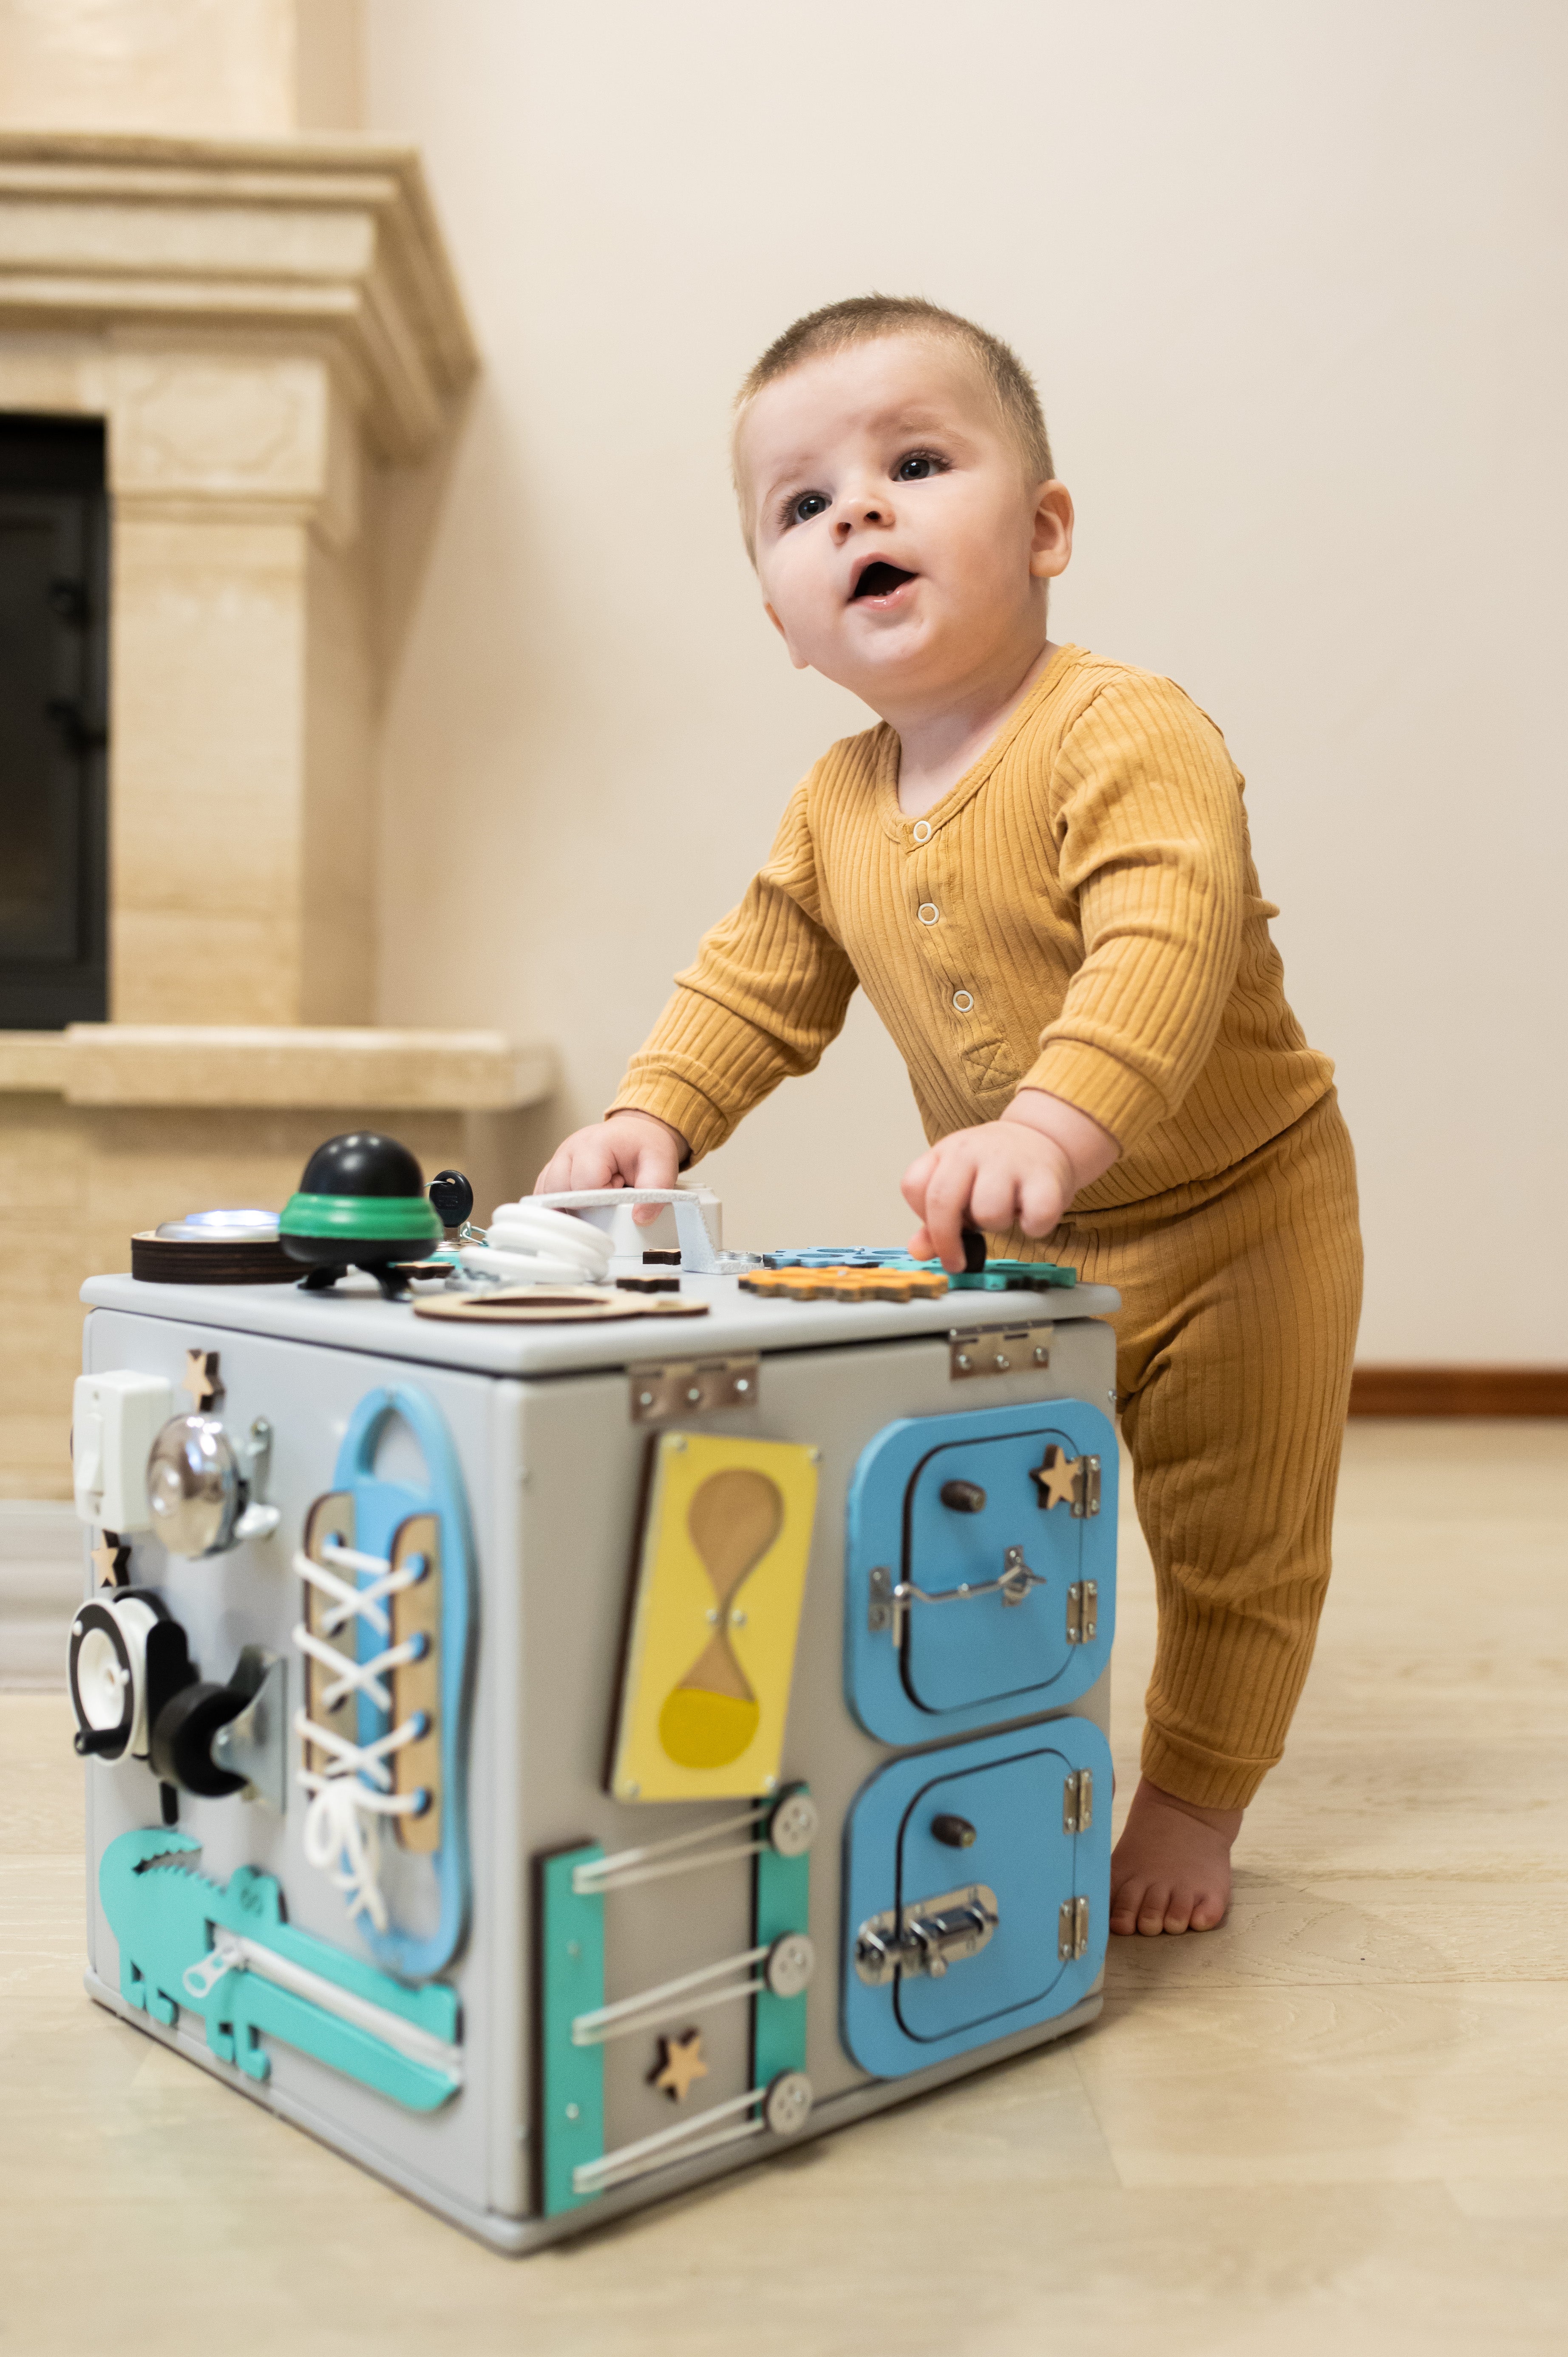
(261, 323)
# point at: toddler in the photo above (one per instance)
(1038, 867)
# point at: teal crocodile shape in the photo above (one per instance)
(225, 1952)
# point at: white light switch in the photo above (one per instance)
(114, 1421)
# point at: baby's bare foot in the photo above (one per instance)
(1171, 1869)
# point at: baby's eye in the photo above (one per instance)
(809, 504)
(917, 466)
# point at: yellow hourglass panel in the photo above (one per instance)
(722, 1572)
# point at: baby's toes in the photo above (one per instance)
(1125, 1901)
(1208, 1912)
(1153, 1910)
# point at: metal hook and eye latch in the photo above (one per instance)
(891, 1599)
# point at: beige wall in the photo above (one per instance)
(248, 68)
(1290, 284)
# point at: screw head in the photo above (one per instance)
(1003, 1361)
(741, 1383)
(963, 1359)
(737, 1620)
(629, 1792)
(572, 2113)
(695, 1394)
(645, 1399)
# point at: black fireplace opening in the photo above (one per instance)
(54, 707)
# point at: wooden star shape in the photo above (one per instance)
(202, 1379)
(1056, 1476)
(111, 1558)
(680, 2064)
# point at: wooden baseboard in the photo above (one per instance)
(1459, 1391)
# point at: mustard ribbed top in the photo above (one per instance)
(1079, 914)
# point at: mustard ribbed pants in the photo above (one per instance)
(1240, 1300)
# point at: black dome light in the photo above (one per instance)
(362, 1204)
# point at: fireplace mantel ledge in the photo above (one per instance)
(308, 238)
(277, 1067)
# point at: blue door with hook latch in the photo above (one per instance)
(980, 1562)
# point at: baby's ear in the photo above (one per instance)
(799, 662)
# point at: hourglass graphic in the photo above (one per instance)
(711, 1715)
(711, 1646)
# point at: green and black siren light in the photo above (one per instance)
(362, 1204)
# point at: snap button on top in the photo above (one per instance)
(963, 1001)
(928, 912)
(921, 830)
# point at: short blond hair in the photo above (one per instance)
(864, 319)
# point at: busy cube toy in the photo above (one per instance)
(557, 1761)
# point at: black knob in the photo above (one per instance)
(957, 1832)
(963, 1497)
(973, 1252)
(453, 1198)
(182, 1740)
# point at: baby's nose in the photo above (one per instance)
(857, 513)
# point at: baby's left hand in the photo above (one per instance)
(1006, 1173)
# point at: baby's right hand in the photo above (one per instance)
(630, 1150)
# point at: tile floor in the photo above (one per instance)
(1338, 2125)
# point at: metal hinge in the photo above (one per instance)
(999, 1350)
(1077, 1801)
(1086, 1488)
(1072, 1930)
(1083, 1612)
(692, 1386)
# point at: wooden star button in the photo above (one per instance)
(202, 1379)
(680, 2063)
(1056, 1476)
(110, 1558)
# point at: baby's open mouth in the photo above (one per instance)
(879, 580)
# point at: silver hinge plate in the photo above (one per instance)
(1083, 1612)
(999, 1350)
(1086, 1488)
(926, 1937)
(1077, 1801)
(677, 1387)
(1072, 1930)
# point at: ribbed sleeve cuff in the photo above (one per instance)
(1206, 1778)
(1098, 1085)
(697, 1117)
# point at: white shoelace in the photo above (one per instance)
(348, 1798)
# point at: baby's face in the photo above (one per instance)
(900, 549)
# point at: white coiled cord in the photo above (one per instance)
(529, 1244)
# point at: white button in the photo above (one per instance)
(922, 830)
(963, 1001)
(928, 912)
